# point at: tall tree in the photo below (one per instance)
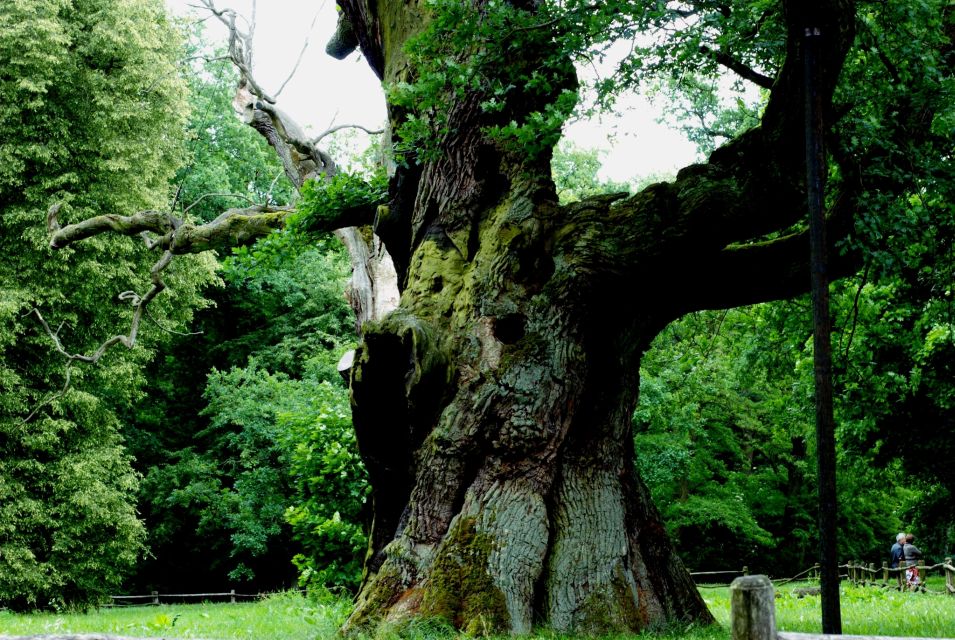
(90, 123)
(492, 408)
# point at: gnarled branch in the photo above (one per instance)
(154, 221)
(127, 340)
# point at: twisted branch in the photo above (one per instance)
(235, 227)
(128, 340)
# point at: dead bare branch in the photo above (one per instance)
(52, 223)
(128, 340)
(240, 46)
(159, 324)
(67, 372)
(235, 227)
(339, 127)
(155, 221)
(275, 180)
(301, 54)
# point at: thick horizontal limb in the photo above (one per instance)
(152, 221)
(235, 227)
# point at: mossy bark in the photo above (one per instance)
(493, 411)
(493, 408)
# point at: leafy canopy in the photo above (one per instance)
(91, 118)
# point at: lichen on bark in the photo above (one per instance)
(459, 587)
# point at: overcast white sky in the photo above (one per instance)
(326, 91)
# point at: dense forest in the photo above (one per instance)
(218, 451)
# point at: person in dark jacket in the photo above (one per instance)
(895, 557)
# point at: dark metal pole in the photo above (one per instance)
(822, 345)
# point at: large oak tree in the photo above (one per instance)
(493, 406)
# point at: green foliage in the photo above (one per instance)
(330, 486)
(892, 324)
(91, 115)
(710, 112)
(327, 199)
(715, 443)
(724, 437)
(269, 469)
(895, 356)
(727, 415)
(574, 171)
(475, 61)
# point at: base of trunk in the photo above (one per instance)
(510, 562)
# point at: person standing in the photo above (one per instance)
(911, 555)
(896, 556)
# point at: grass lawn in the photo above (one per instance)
(865, 611)
(285, 616)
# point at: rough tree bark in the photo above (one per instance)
(493, 407)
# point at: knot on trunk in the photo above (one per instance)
(343, 41)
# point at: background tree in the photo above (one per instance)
(724, 440)
(242, 422)
(91, 122)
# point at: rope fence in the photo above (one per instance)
(859, 573)
(156, 598)
(856, 573)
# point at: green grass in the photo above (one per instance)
(285, 616)
(865, 611)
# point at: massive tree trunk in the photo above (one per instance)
(493, 412)
(493, 408)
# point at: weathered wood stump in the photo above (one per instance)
(752, 610)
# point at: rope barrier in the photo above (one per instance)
(780, 581)
(851, 575)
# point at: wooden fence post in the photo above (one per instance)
(871, 574)
(752, 608)
(885, 573)
(745, 570)
(155, 595)
(232, 596)
(815, 571)
(949, 578)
